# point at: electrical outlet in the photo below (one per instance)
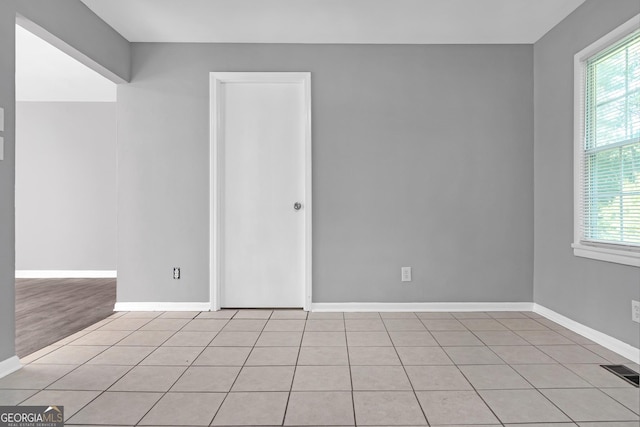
(635, 311)
(176, 272)
(406, 274)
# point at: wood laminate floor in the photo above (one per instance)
(48, 310)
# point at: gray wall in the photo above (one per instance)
(73, 22)
(595, 293)
(66, 186)
(7, 179)
(422, 157)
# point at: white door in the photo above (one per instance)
(262, 133)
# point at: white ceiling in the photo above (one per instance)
(45, 73)
(334, 21)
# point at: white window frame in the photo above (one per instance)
(603, 252)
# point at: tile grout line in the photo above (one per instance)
(346, 342)
(236, 377)
(393, 344)
(101, 392)
(135, 365)
(474, 387)
(243, 365)
(179, 376)
(508, 364)
(64, 338)
(635, 411)
(140, 361)
(295, 367)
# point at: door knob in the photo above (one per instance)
(297, 206)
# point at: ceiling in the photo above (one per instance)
(45, 73)
(334, 21)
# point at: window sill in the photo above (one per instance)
(618, 256)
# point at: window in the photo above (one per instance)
(607, 148)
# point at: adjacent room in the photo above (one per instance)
(65, 194)
(324, 212)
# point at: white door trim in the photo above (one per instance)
(216, 168)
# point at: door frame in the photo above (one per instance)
(217, 168)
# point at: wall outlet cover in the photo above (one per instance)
(176, 272)
(635, 311)
(406, 274)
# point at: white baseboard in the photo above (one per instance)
(66, 274)
(9, 366)
(422, 306)
(162, 306)
(598, 337)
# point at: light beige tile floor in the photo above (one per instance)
(288, 367)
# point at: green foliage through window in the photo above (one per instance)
(611, 209)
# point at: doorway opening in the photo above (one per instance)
(65, 192)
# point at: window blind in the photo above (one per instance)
(611, 151)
